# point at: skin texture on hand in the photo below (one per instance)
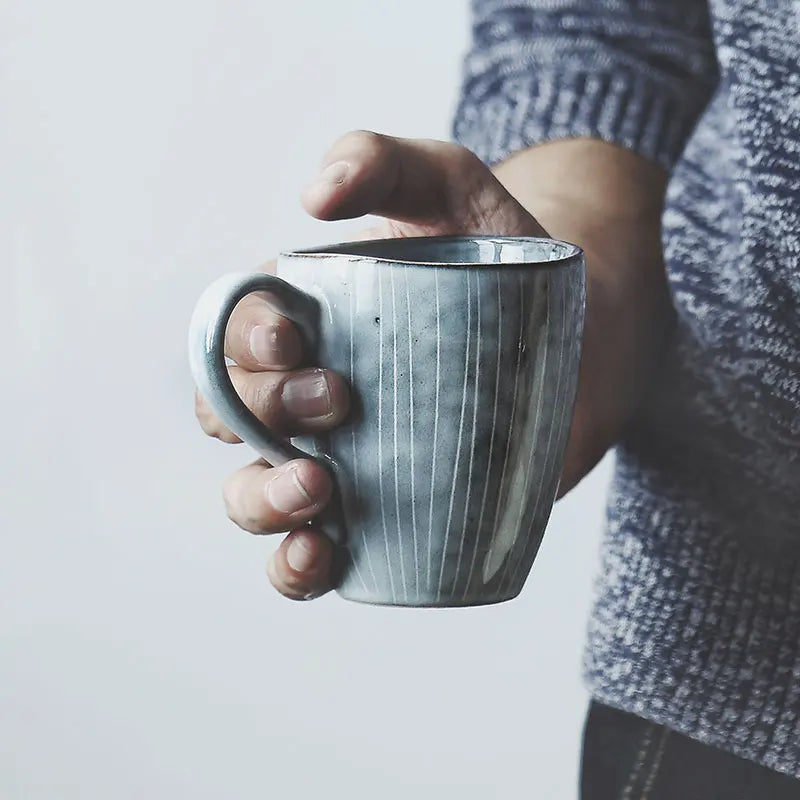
(607, 202)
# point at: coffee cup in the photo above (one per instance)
(462, 355)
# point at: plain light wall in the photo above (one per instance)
(144, 149)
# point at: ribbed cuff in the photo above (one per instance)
(638, 113)
(693, 630)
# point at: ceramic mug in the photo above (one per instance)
(462, 356)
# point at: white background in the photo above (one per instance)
(145, 148)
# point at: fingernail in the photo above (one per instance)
(265, 346)
(286, 493)
(333, 173)
(306, 395)
(299, 554)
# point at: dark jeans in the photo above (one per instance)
(628, 758)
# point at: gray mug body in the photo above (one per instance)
(462, 354)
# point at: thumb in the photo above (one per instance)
(437, 187)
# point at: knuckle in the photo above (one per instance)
(212, 426)
(264, 399)
(242, 505)
(259, 392)
(464, 156)
(363, 140)
(484, 211)
(364, 146)
(460, 158)
(202, 412)
(465, 183)
(229, 498)
(479, 200)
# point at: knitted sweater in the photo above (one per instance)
(696, 623)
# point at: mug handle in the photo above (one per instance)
(209, 369)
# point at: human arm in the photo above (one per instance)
(583, 107)
(595, 178)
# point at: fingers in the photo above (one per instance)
(300, 568)
(303, 401)
(264, 499)
(210, 423)
(258, 338)
(437, 185)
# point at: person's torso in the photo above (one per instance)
(696, 621)
(730, 394)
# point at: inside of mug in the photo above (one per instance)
(454, 250)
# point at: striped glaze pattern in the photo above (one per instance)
(463, 382)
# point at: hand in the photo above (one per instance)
(419, 188)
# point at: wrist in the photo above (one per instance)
(626, 329)
(608, 201)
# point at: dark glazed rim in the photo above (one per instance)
(573, 253)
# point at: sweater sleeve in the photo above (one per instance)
(636, 73)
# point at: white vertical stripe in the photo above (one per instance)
(458, 442)
(400, 548)
(380, 435)
(327, 303)
(655, 765)
(638, 764)
(509, 444)
(435, 424)
(535, 510)
(474, 424)
(357, 570)
(411, 436)
(353, 434)
(487, 481)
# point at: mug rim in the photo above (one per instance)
(572, 257)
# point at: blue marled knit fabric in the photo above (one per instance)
(697, 618)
